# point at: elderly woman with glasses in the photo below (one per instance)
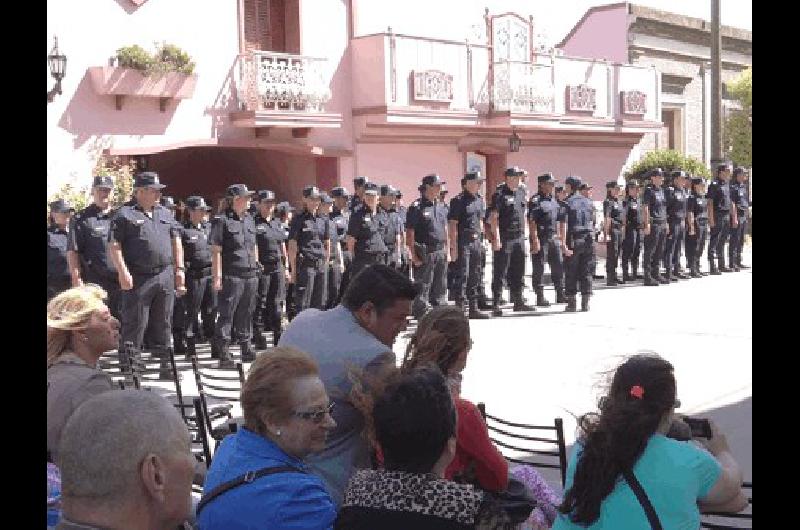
(258, 478)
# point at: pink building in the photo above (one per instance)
(291, 92)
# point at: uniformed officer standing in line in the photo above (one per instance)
(271, 243)
(197, 258)
(741, 203)
(391, 226)
(309, 251)
(427, 241)
(655, 227)
(340, 216)
(146, 249)
(87, 245)
(632, 227)
(612, 229)
(358, 193)
(169, 203)
(687, 186)
(506, 214)
(284, 213)
(579, 245)
(402, 211)
(721, 218)
(465, 217)
(676, 197)
(234, 271)
(58, 276)
(697, 223)
(365, 240)
(333, 274)
(544, 214)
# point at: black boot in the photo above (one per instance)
(191, 351)
(248, 355)
(712, 267)
(216, 347)
(672, 275)
(259, 340)
(225, 357)
(649, 280)
(585, 302)
(541, 301)
(561, 298)
(496, 311)
(694, 272)
(660, 278)
(635, 272)
(483, 304)
(571, 305)
(178, 344)
(520, 305)
(722, 267)
(611, 279)
(164, 355)
(473, 313)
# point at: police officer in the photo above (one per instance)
(271, 243)
(721, 217)
(358, 194)
(87, 245)
(402, 211)
(234, 271)
(578, 247)
(58, 276)
(197, 258)
(676, 197)
(427, 241)
(741, 203)
(465, 217)
(340, 216)
(309, 251)
(612, 229)
(333, 273)
(506, 214)
(655, 227)
(169, 203)
(632, 227)
(146, 249)
(365, 239)
(697, 223)
(544, 214)
(391, 226)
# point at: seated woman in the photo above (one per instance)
(415, 426)
(286, 418)
(625, 444)
(80, 329)
(443, 338)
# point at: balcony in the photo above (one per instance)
(282, 90)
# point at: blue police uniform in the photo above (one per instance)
(654, 242)
(468, 211)
(632, 244)
(391, 226)
(319, 296)
(697, 205)
(365, 226)
(311, 273)
(58, 277)
(337, 279)
(719, 194)
(741, 202)
(270, 237)
(197, 260)
(676, 198)
(612, 209)
(546, 212)
(509, 261)
(580, 239)
(335, 271)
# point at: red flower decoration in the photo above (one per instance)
(637, 391)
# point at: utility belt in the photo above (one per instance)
(373, 257)
(196, 273)
(242, 274)
(658, 221)
(421, 250)
(615, 223)
(510, 236)
(720, 210)
(304, 260)
(677, 221)
(148, 271)
(468, 236)
(701, 220)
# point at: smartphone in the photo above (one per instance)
(699, 426)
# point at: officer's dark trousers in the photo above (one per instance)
(580, 266)
(319, 295)
(467, 274)
(510, 263)
(150, 301)
(631, 246)
(695, 244)
(677, 233)
(393, 259)
(737, 241)
(236, 303)
(271, 295)
(309, 274)
(187, 307)
(334, 283)
(346, 274)
(654, 248)
(362, 260)
(613, 250)
(208, 310)
(431, 279)
(550, 253)
(719, 235)
(111, 286)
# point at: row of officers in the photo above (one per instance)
(230, 277)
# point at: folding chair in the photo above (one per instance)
(224, 388)
(731, 521)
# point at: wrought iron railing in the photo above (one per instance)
(519, 87)
(281, 82)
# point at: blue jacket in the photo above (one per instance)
(283, 501)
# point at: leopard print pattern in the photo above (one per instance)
(411, 492)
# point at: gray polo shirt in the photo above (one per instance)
(70, 382)
(338, 343)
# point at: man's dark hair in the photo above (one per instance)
(379, 284)
(414, 417)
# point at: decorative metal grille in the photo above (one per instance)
(433, 85)
(581, 98)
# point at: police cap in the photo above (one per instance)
(432, 180)
(612, 184)
(284, 207)
(168, 202)
(147, 179)
(559, 189)
(698, 180)
(359, 182)
(574, 181)
(739, 171)
(472, 175)
(61, 206)
(238, 190)
(311, 192)
(514, 171)
(195, 202)
(724, 166)
(102, 181)
(657, 172)
(546, 178)
(370, 188)
(387, 190)
(266, 195)
(325, 198)
(678, 173)
(584, 186)
(398, 194)
(632, 183)
(339, 191)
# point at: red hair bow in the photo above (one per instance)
(637, 391)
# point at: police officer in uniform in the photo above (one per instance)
(697, 223)
(427, 241)
(169, 203)
(721, 217)
(506, 214)
(465, 217)
(612, 229)
(340, 216)
(333, 272)
(391, 226)
(578, 247)
(741, 203)
(87, 245)
(309, 252)
(632, 227)
(146, 249)
(544, 214)
(676, 197)
(197, 258)
(58, 276)
(402, 211)
(234, 271)
(271, 243)
(365, 234)
(358, 194)
(655, 227)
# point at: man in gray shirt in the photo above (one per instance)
(354, 338)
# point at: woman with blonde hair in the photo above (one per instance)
(80, 329)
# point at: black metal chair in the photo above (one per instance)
(218, 389)
(519, 433)
(731, 521)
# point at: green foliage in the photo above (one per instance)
(174, 59)
(668, 160)
(741, 88)
(135, 57)
(737, 130)
(167, 58)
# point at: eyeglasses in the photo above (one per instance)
(315, 416)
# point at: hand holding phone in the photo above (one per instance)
(700, 427)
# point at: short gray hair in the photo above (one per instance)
(108, 436)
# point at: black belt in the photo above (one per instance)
(615, 223)
(510, 237)
(679, 220)
(658, 221)
(152, 271)
(435, 246)
(196, 273)
(578, 233)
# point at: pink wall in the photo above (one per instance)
(601, 34)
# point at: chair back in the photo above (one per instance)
(217, 386)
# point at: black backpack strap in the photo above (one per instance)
(247, 478)
(655, 523)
